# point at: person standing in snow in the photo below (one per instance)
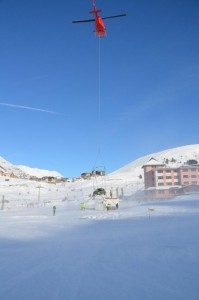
(83, 205)
(108, 206)
(54, 210)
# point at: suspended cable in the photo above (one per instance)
(99, 95)
(100, 168)
(99, 121)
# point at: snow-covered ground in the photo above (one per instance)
(128, 181)
(141, 251)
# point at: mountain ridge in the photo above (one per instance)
(173, 157)
(24, 171)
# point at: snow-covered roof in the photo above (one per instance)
(153, 162)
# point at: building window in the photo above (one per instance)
(160, 177)
(186, 183)
(194, 182)
(185, 176)
(168, 177)
(193, 176)
(177, 182)
(160, 184)
(160, 171)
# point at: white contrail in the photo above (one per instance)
(27, 107)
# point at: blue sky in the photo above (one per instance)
(149, 82)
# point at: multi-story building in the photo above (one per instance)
(164, 182)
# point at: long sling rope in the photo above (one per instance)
(99, 122)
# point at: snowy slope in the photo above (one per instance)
(141, 251)
(127, 181)
(7, 167)
(131, 176)
(181, 155)
(38, 172)
(24, 171)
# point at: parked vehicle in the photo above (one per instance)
(99, 191)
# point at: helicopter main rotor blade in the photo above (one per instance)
(84, 21)
(117, 16)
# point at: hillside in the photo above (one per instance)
(172, 157)
(38, 172)
(24, 171)
(7, 167)
(131, 175)
(127, 181)
(116, 245)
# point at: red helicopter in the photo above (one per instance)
(99, 24)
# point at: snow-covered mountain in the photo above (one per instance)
(24, 171)
(38, 172)
(137, 240)
(127, 181)
(7, 167)
(174, 157)
(131, 175)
